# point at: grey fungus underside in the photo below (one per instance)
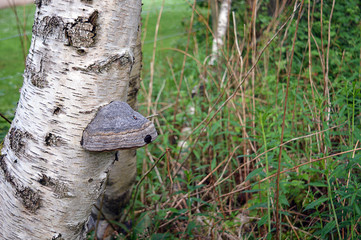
(117, 126)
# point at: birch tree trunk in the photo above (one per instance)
(221, 30)
(80, 59)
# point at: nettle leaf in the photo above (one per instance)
(263, 220)
(258, 205)
(316, 203)
(214, 163)
(258, 171)
(283, 200)
(357, 209)
(328, 228)
(161, 236)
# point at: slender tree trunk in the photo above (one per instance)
(221, 29)
(80, 59)
(123, 173)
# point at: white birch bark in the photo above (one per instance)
(221, 30)
(80, 59)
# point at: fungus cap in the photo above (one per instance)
(117, 126)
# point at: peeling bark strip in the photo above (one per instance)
(30, 198)
(82, 33)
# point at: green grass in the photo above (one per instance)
(12, 59)
(170, 25)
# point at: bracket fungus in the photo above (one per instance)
(117, 126)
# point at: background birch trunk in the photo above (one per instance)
(221, 30)
(123, 173)
(80, 59)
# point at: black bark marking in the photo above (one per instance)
(43, 160)
(38, 79)
(87, 1)
(45, 180)
(93, 18)
(57, 110)
(18, 140)
(60, 189)
(51, 27)
(82, 32)
(106, 65)
(90, 180)
(115, 61)
(58, 237)
(102, 183)
(133, 91)
(40, 3)
(88, 112)
(52, 140)
(81, 51)
(4, 168)
(30, 198)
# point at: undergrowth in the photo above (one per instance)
(221, 136)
